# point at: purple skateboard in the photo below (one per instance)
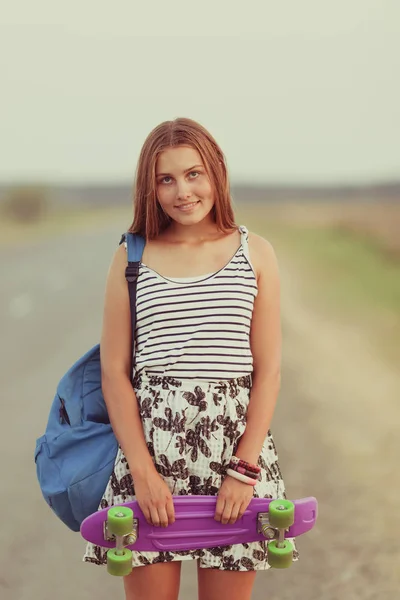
(195, 527)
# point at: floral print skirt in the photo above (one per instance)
(192, 430)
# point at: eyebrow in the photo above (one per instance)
(186, 171)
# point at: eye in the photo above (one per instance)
(195, 173)
(163, 179)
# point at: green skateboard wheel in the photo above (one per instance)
(280, 558)
(119, 565)
(281, 514)
(120, 520)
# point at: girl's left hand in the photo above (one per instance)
(233, 498)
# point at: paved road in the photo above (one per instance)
(50, 313)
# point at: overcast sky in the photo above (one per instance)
(294, 91)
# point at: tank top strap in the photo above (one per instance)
(244, 238)
(244, 235)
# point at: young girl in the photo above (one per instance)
(207, 364)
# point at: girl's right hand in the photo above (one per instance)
(155, 499)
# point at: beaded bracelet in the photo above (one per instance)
(244, 463)
(237, 467)
(244, 471)
(237, 463)
(241, 477)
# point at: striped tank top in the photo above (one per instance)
(197, 327)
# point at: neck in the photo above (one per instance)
(198, 232)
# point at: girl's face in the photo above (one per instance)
(184, 190)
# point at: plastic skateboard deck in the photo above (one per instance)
(195, 527)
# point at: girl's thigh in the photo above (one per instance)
(215, 584)
(154, 582)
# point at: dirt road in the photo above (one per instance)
(336, 427)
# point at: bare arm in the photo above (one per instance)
(265, 339)
(152, 493)
(266, 342)
(115, 350)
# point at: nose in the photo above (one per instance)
(184, 192)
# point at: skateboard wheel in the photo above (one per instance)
(281, 514)
(119, 565)
(119, 520)
(280, 558)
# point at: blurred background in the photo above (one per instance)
(304, 98)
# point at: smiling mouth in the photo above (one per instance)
(188, 206)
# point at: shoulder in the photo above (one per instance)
(263, 256)
(259, 244)
(120, 254)
(118, 263)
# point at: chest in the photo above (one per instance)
(223, 300)
(184, 260)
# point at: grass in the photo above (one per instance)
(346, 274)
(352, 271)
(74, 219)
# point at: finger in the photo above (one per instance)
(242, 509)
(154, 517)
(163, 517)
(219, 508)
(170, 511)
(226, 515)
(147, 515)
(234, 513)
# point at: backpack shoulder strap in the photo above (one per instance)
(135, 245)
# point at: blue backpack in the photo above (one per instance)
(75, 457)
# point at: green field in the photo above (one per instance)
(347, 275)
